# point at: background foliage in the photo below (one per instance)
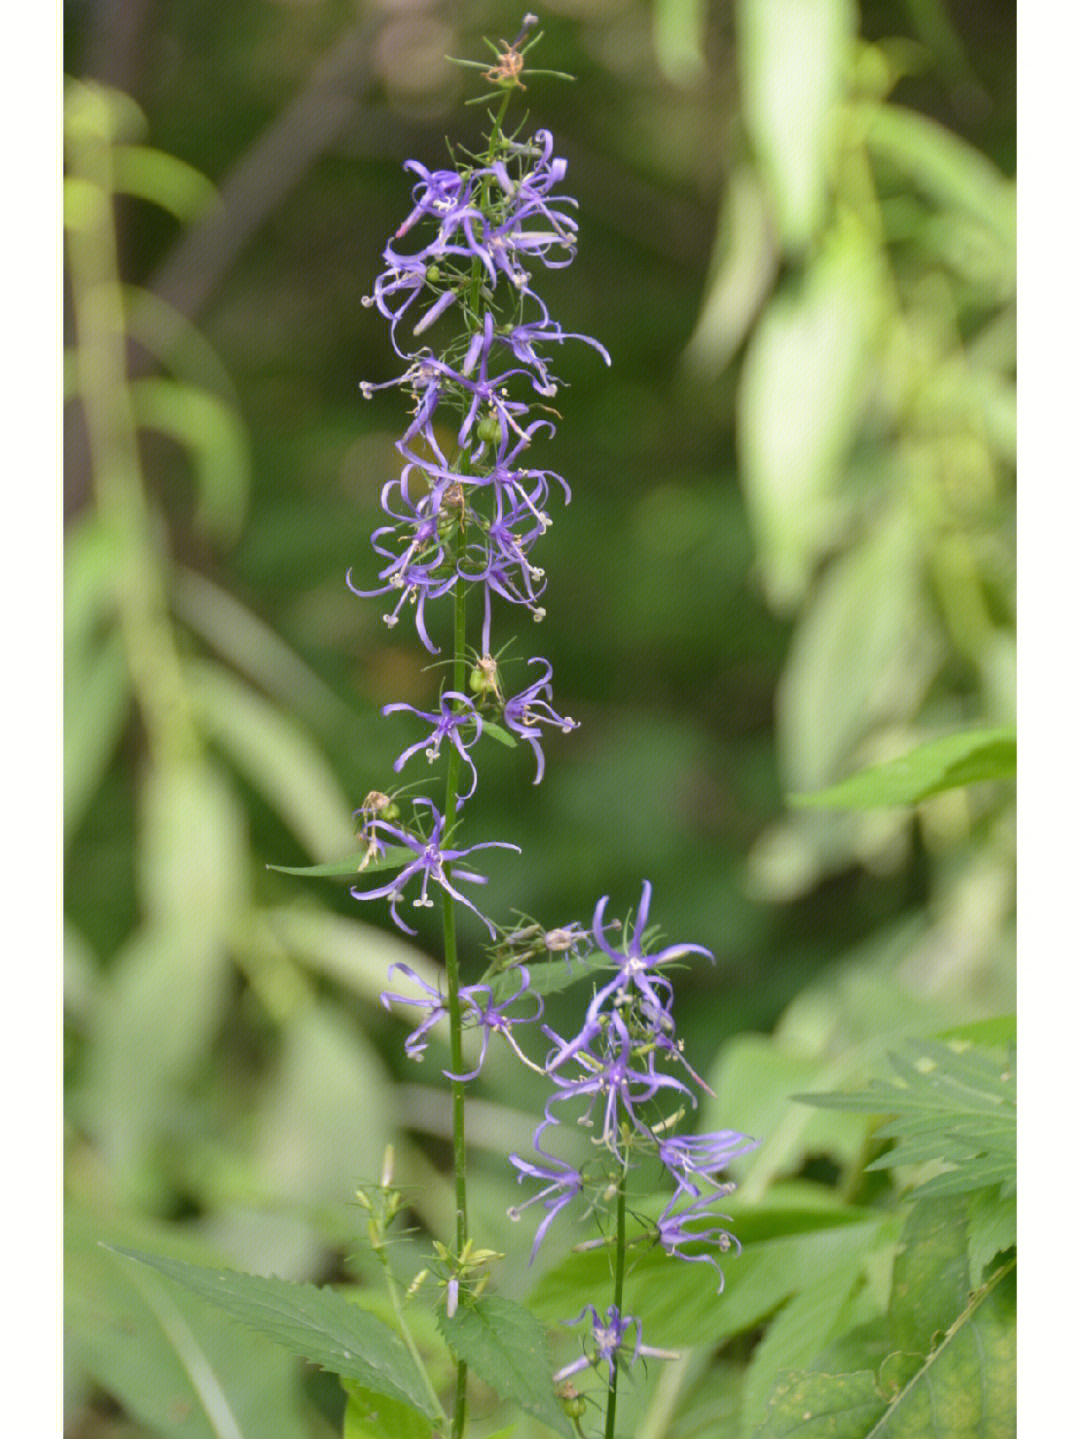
(789, 557)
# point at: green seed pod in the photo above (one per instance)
(488, 429)
(433, 274)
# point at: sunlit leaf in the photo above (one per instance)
(801, 391)
(792, 59)
(679, 35)
(949, 763)
(352, 865)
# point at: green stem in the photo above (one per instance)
(453, 986)
(620, 1269)
(406, 1333)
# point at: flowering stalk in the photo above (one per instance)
(464, 521)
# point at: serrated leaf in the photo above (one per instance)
(349, 867)
(947, 763)
(991, 1229)
(317, 1324)
(178, 1368)
(506, 1346)
(373, 1416)
(954, 1103)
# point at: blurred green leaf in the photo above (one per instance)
(176, 1366)
(798, 1333)
(801, 392)
(863, 654)
(347, 950)
(351, 865)
(313, 1137)
(317, 1324)
(947, 169)
(275, 755)
(163, 179)
(213, 435)
(679, 35)
(97, 703)
(951, 762)
(252, 648)
(159, 1007)
(742, 272)
(505, 1345)
(792, 61)
(374, 1416)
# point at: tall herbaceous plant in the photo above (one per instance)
(477, 346)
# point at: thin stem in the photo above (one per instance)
(620, 1269)
(453, 985)
(406, 1333)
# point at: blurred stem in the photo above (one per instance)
(404, 1330)
(620, 1269)
(101, 371)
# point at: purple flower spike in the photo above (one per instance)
(431, 862)
(525, 711)
(456, 713)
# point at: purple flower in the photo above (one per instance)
(673, 1231)
(434, 1003)
(456, 712)
(689, 1158)
(432, 862)
(563, 1184)
(636, 971)
(523, 712)
(607, 1337)
(610, 1077)
(481, 1011)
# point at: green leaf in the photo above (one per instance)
(276, 755)
(801, 392)
(947, 763)
(164, 179)
(792, 59)
(679, 35)
(953, 1103)
(349, 867)
(317, 1324)
(507, 1348)
(178, 1367)
(373, 1416)
(215, 439)
(991, 1229)
(496, 731)
(996, 1033)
